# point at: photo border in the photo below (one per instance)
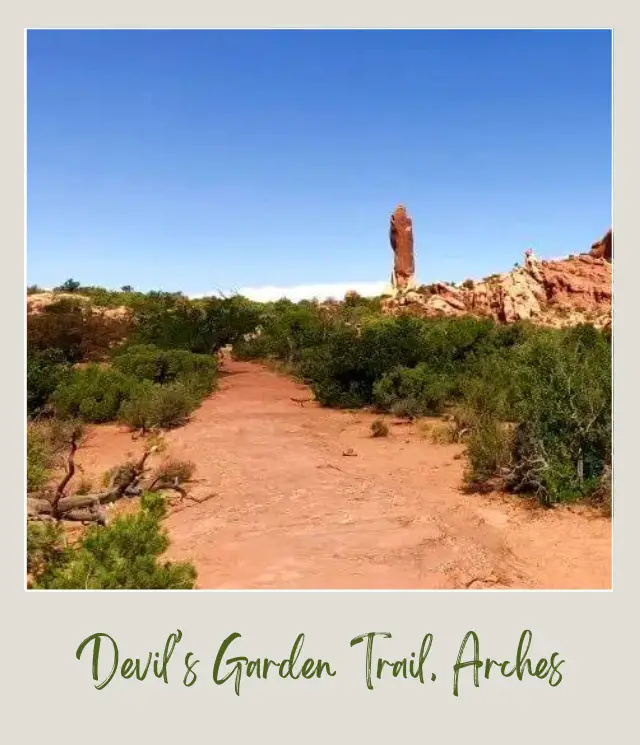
(591, 626)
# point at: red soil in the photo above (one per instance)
(291, 511)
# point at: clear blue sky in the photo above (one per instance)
(198, 160)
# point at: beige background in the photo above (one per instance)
(49, 695)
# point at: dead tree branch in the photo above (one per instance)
(87, 507)
(71, 469)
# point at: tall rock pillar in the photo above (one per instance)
(401, 239)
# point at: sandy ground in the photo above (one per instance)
(292, 511)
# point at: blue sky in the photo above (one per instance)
(206, 160)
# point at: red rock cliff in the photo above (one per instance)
(556, 293)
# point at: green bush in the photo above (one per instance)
(407, 408)
(46, 439)
(124, 555)
(172, 405)
(155, 406)
(555, 389)
(145, 388)
(200, 326)
(45, 552)
(603, 493)
(102, 298)
(71, 285)
(417, 390)
(45, 372)
(94, 394)
(285, 331)
(350, 360)
(75, 331)
(488, 452)
(137, 411)
(162, 366)
(39, 457)
(563, 386)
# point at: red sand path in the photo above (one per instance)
(291, 511)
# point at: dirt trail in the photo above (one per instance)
(292, 511)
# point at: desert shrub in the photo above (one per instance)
(145, 388)
(488, 453)
(332, 393)
(119, 474)
(39, 457)
(173, 471)
(94, 394)
(101, 297)
(45, 542)
(60, 431)
(124, 555)
(356, 307)
(564, 437)
(603, 493)
(78, 333)
(45, 372)
(344, 369)
(555, 390)
(350, 361)
(488, 392)
(155, 406)
(162, 366)
(406, 408)
(71, 285)
(200, 326)
(34, 289)
(444, 433)
(379, 428)
(85, 486)
(138, 411)
(285, 332)
(252, 346)
(418, 390)
(172, 405)
(46, 440)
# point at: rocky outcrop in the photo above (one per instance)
(603, 249)
(555, 293)
(401, 239)
(39, 302)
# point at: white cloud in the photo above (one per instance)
(307, 292)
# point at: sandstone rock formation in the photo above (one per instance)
(38, 303)
(603, 249)
(401, 239)
(554, 293)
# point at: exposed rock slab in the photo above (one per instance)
(555, 293)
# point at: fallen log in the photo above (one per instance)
(87, 516)
(86, 507)
(37, 506)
